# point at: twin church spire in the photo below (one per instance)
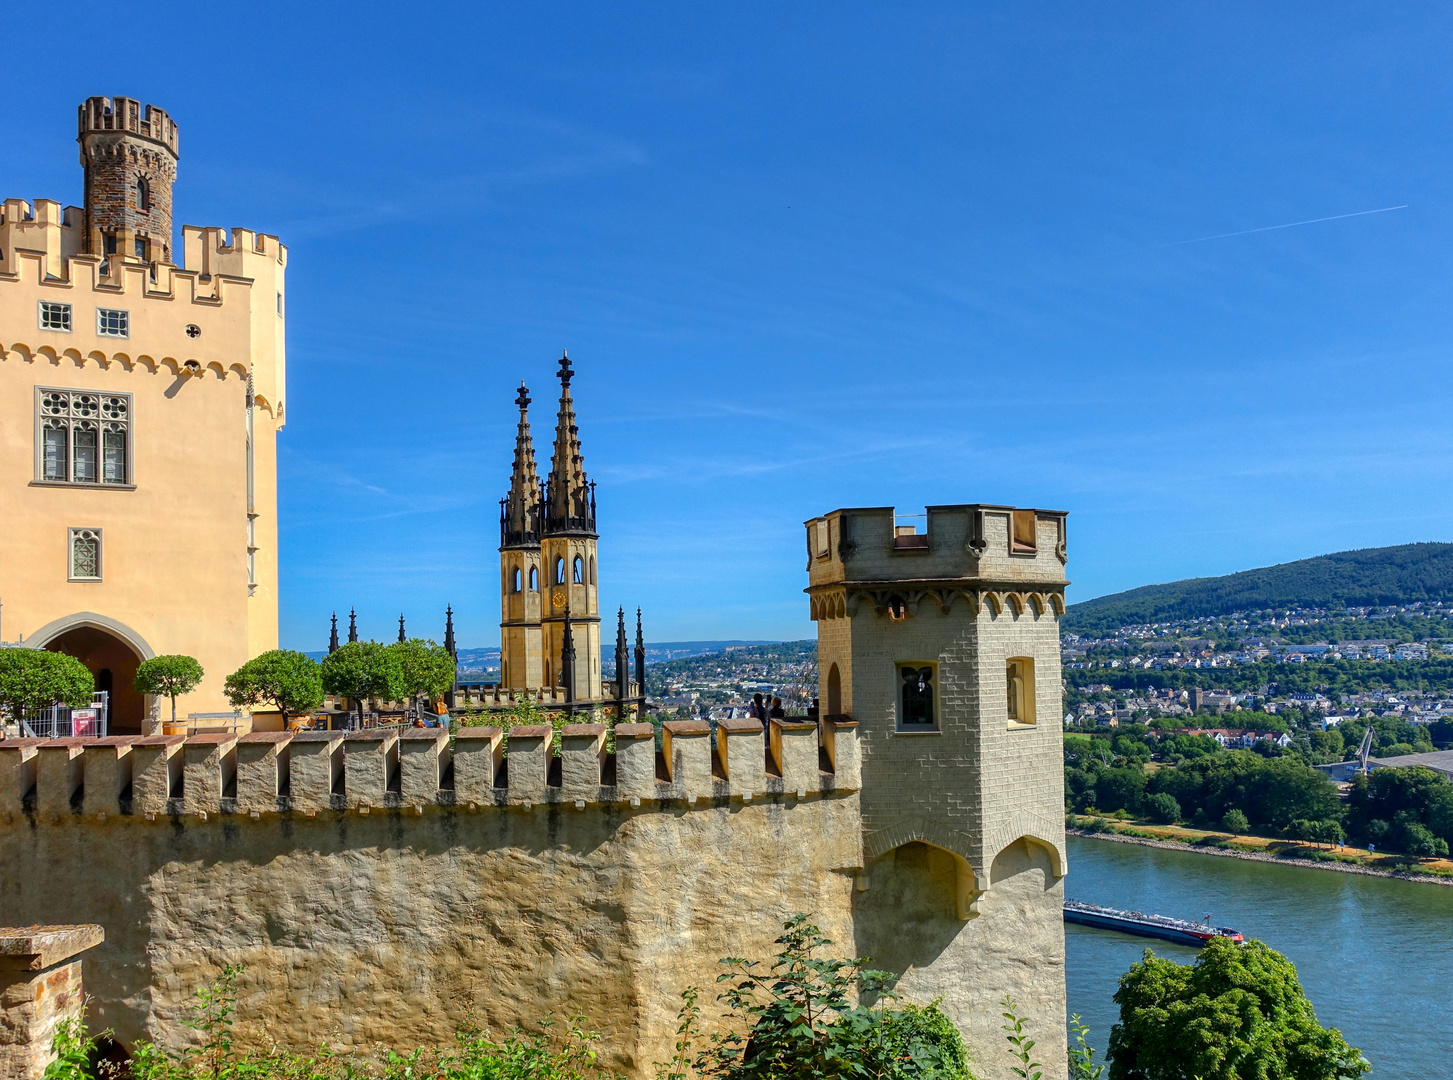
(565, 501)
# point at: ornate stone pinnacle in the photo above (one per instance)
(566, 371)
(522, 399)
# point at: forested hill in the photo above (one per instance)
(1364, 578)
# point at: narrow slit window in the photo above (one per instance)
(579, 571)
(516, 577)
(1019, 685)
(534, 579)
(559, 571)
(143, 195)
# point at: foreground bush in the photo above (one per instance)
(1238, 1013)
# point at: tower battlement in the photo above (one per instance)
(126, 115)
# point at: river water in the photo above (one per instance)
(1375, 955)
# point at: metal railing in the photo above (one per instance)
(61, 721)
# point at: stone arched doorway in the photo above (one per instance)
(111, 652)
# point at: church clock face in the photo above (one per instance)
(558, 600)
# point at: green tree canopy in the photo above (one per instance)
(1238, 1013)
(427, 667)
(290, 681)
(363, 669)
(169, 676)
(32, 679)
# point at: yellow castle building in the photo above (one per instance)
(140, 400)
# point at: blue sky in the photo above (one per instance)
(806, 257)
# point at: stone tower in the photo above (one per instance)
(571, 621)
(521, 517)
(129, 152)
(943, 646)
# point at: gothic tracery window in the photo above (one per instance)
(579, 571)
(85, 555)
(83, 438)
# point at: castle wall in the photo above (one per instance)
(398, 928)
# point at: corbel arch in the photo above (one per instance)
(970, 882)
(1034, 830)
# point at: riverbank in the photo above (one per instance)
(1262, 849)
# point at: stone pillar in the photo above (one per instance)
(40, 987)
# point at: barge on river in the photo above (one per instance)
(1157, 926)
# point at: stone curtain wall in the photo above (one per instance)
(398, 926)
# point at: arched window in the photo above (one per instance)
(517, 579)
(592, 569)
(534, 579)
(143, 195)
(559, 571)
(834, 692)
(579, 571)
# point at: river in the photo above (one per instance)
(1375, 955)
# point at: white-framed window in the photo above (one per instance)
(113, 322)
(1019, 685)
(82, 437)
(85, 554)
(55, 316)
(917, 695)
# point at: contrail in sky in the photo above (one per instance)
(1288, 225)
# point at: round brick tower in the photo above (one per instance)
(129, 152)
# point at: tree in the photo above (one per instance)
(428, 668)
(1239, 1013)
(1235, 822)
(171, 675)
(363, 669)
(34, 679)
(289, 680)
(1163, 808)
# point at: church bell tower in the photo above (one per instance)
(571, 616)
(521, 513)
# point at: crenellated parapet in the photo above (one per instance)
(159, 777)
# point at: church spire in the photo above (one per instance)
(570, 497)
(519, 514)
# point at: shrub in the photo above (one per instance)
(1097, 825)
(1163, 808)
(1235, 822)
(361, 670)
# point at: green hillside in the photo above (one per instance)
(1370, 576)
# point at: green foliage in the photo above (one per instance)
(170, 676)
(33, 679)
(1396, 807)
(1371, 576)
(289, 681)
(1238, 1014)
(1163, 807)
(427, 668)
(1081, 1053)
(1234, 821)
(363, 669)
(802, 1022)
(1023, 1045)
(74, 1050)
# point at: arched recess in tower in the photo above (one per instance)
(834, 691)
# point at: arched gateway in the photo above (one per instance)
(111, 651)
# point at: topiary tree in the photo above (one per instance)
(290, 681)
(363, 669)
(1235, 822)
(1238, 1013)
(34, 679)
(428, 668)
(170, 676)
